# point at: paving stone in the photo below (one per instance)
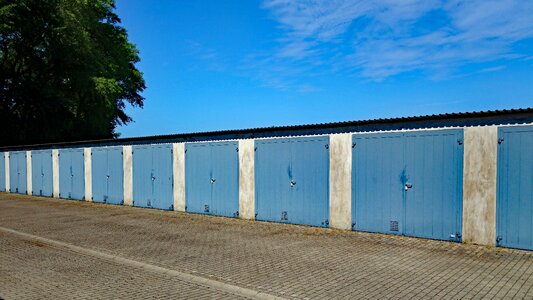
(285, 260)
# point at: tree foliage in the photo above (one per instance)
(67, 71)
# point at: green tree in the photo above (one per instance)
(67, 71)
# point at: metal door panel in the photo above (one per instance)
(408, 183)
(198, 178)
(308, 203)
(65, 177)
(515, 188)
(152, 176)
(378, 179)
(2, 172)
(291, 180)
(17, 172)
(142, 176)
(163, 197)
(41, 165)
(78, 175)
(225, 168)
(272, 179)
(71, 174)
(36, 173)
(433, 206)
(99, 174)
(115, 175)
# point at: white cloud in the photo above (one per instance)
(382, 38)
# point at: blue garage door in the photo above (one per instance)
(292, 180)
(515, 187)
(71, 174)
(212, 178)
(41, 173)
(17, 172)
(152, 176)
(2, 172)
(108, 175)
(408, 183)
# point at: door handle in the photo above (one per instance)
(293, 183)
(408, 186)
(213, 180)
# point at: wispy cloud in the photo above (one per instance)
(492, 69)
(383, 38)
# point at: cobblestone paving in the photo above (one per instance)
(283, 260)
(33, 270)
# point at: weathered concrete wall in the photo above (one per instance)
(87, 164)
(6, 160)
(128, 174)
(55, 173)
(29, 180)
(246, 179)
(178, 172)
(479, 185)
(340, 181)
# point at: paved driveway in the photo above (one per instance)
(53, 248)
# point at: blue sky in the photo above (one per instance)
(215, 65)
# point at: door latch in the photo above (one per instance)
(408, 186)
(213, 180)
(293, 183)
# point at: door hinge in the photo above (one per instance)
(460, 141)
(236, 214)
(326, 146)
(500, 140)
(237, 149)
(499, 239)
(255, 149)
(353, 145)
(353, 226)
(325, 223)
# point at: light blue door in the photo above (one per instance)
(292, 180)
(408, 183)
(152, 176)
(434, 203)
(99, 174)
(42, 177)
(71, 174)
(198, 178)
(379, 175)
(108, 175)
(515, 188)
(115, 173)
(2, 172)
(212, 178)
(17, 172)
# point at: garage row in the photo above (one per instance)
(407, 183)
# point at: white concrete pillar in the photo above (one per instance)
(247, 179)
(55, 172)
(479, 185)
(87, 165)
(340, 181)
(128, 174)
(29, 182)
(6, 160)
(178, 172)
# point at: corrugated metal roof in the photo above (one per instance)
(460, 119)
